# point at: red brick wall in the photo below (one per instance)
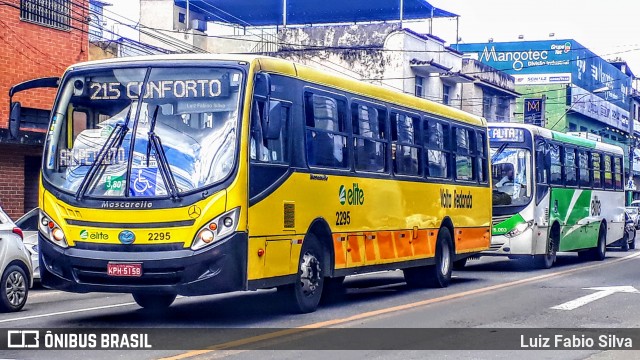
(12, 174)
(29, 51)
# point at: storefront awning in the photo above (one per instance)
(302, 12)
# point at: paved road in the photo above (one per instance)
(491, 292)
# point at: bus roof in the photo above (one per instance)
(562, 137)
(289, 68)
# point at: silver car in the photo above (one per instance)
(28, 223)
(15, 266)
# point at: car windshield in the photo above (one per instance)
(511, 175)
(143, 132)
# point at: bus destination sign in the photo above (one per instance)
(506, 134)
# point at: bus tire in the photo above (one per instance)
(600, 251)
(305, 293)
(154, 302)
(438, 275)
(547, 260)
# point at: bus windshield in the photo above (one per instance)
(143, 132)
(511, 175)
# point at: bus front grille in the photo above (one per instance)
(498, 219)
(90, 275)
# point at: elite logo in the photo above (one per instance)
(352, 196)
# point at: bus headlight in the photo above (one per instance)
(519, 229)
(51, 230)
(216, 229)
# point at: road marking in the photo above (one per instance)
(601, 293)
(67, 312)
(370, 314)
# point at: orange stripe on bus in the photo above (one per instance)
(402, 240)
(339, 251)
(354, 248)
(472, 238)
(385, 244)
(421, 244)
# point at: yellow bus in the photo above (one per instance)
(202, 174)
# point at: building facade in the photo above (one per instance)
(564, 86)
(39, 39)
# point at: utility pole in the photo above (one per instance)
(632, 141)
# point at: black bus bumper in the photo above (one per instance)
(217, 268)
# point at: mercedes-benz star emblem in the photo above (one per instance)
(194, 211)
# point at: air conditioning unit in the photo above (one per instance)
(199, 25)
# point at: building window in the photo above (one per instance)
(583, 129)
(51, 13)
(419, 86)
(573, 127)
(182, 18)
(446, 91)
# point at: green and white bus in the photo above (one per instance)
(554, 192)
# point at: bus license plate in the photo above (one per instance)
(134, 270)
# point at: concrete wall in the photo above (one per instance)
(161, 18)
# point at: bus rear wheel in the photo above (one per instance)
(154, 302)
(438, 275)
(600, 251)
(305, 293)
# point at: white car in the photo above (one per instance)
(15, 266)
(28, 223)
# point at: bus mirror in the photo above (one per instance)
(271, 124)
(14, 119)
(262, 87)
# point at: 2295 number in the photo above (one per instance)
(159, 236)
(343, 218)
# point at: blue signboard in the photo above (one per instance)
(570, 61)
(506, 134)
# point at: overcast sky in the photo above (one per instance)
(608, 28)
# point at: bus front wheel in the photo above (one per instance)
(154, 302)
(547, 260)
(304, 295)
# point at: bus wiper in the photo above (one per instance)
(499, 151)
(161, 157)
(114, 139)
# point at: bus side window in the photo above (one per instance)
(405, 154)
(326, 138)
(481, 151)
(269, 150)
(608, 175)
(583, 169)
(463, 162)
(369, 127)
(541, 162)
(555, 165)
(596, 170)
(617, 170)
(436, 141)
(570, 167)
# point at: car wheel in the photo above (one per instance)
(14, 289)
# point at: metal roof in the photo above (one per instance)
(301, 12)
